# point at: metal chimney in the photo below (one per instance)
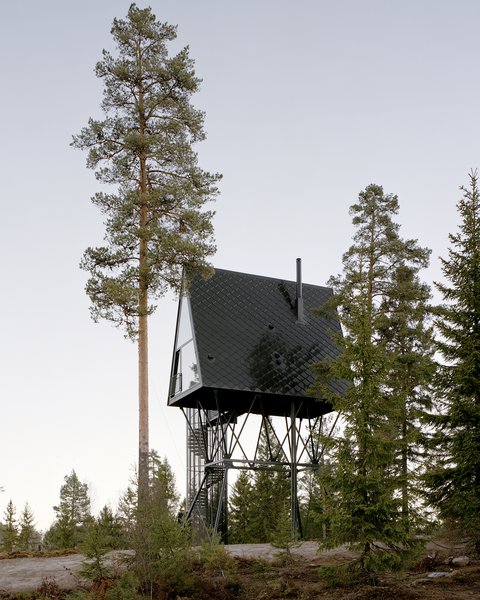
(299, 302)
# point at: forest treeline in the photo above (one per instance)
(408, 452)
(74, 522)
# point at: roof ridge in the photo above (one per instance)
(279, 279)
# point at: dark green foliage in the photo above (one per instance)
(281, 536)
(110, 528)
(312, 506)
(257, 501)
(162, 491)
(454, 481)
(124, 588)
(162, 484)
(271, 487)
(351, 575)
(127, 512)
(72, 515)
(408, 336)
(240, 516)
(156, 228)
(163, 547)
(9, 529)
(144, 145)
(28, 537)
(94, 546)
(362, 504)
(313, 495)
(214, 558)
(102, 535)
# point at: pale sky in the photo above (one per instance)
(306, 103)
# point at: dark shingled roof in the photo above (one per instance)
(252, 352)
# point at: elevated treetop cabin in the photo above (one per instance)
(244, 346)
(246, 343)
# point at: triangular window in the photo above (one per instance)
(185, 362)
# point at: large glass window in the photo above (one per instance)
(189, 365)
(185, 366)
(184, 333)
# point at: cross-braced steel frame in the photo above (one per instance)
(216, 443)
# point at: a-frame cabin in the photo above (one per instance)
(244, 345)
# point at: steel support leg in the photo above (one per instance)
(293, 472)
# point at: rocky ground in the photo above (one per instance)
(444, 572)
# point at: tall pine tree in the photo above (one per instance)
(454, 480)
(155, 225)
(363, 507)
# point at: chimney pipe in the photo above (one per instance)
(300, 316)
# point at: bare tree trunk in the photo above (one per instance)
(142, 550)
(404, 470)
(142, 545)
(143, 444)
(323, 496)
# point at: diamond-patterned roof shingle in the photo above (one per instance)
(251, 347)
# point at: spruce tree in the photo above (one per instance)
(363, 507)
(163, 499)
(271, 486)
(102, 534)
(28, 536)
(94, 546)
(72, 515)
(160, 541)
(313, 493)
(127, 513)
(156, 227)
(110, 529)
(453, 481)
(240, 514)
(10, 528)
(281, 536)
(408, 335)
(163, 489)
(312, 505)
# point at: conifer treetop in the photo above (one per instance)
(156, 225)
